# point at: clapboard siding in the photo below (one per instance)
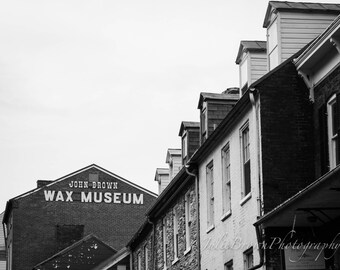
(258, 66)
(297, 29)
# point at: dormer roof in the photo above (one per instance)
(275, 6)
(172, 152)
(188, 125)
(250, 46)
(204, 96)
(161, 171)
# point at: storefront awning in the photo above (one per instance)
(316, 205)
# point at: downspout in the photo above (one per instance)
(153, 244)
(261, 249)
(198, 214)
(252, 92)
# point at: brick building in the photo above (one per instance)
(311, 217)
(55, 215)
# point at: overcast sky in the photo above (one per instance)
(109, 81)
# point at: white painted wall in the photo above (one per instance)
(237, 228)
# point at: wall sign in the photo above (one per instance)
(92, 196)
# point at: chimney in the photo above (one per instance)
(190, 137)
(41, 183)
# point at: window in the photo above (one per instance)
(228, 265)
(175, 227)
(210, 194)
(273, 54)
(93, 177)
(245, 160)
(139, 261)
(184, 147)
(146, 257)
(187, 222)
(248, 259)
(164, 243)
(203, 125)
(226, 189)
(332, 123)
(244, 75)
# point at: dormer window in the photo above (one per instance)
(203, 125)
(184, 146)
(273, 51)
(244, 75)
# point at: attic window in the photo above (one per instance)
(273, 54)
(244, 73)
(93, 177)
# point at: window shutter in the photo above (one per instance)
(324, 159)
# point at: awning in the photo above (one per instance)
(316, 205)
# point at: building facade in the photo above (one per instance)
(50, 218)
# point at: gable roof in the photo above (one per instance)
(215, 96)
(250, 45)
(88, 251)
(274, 6)
(9, 203)
(320, 45)
(188, 125)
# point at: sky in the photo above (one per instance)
(109, 81)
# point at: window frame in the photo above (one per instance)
(226, 180)
(187, 208)
(175, 234)
(273, 50)
(332, 131)
(229, 265)
(164, 243)
(248, 258)
(210, 195)
(246, 160)
(146, 256)
(204, 124)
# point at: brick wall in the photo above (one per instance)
(35, 220)
(287, 135)
(186, 260)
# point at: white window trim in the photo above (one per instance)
(164, 243)
(210, 195)
(331, 139)
(175, 232)
(187, 222)
(243, 194)
(225, 182)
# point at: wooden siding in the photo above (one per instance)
(297, 29)
(258, 66)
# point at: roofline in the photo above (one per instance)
(164, 200)
(217, 135)
(111, 261)
(82, 170)
(294, 9)
(175, 183)
(10, 201)
(317, 43)
(73, 246)
(297, 196)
